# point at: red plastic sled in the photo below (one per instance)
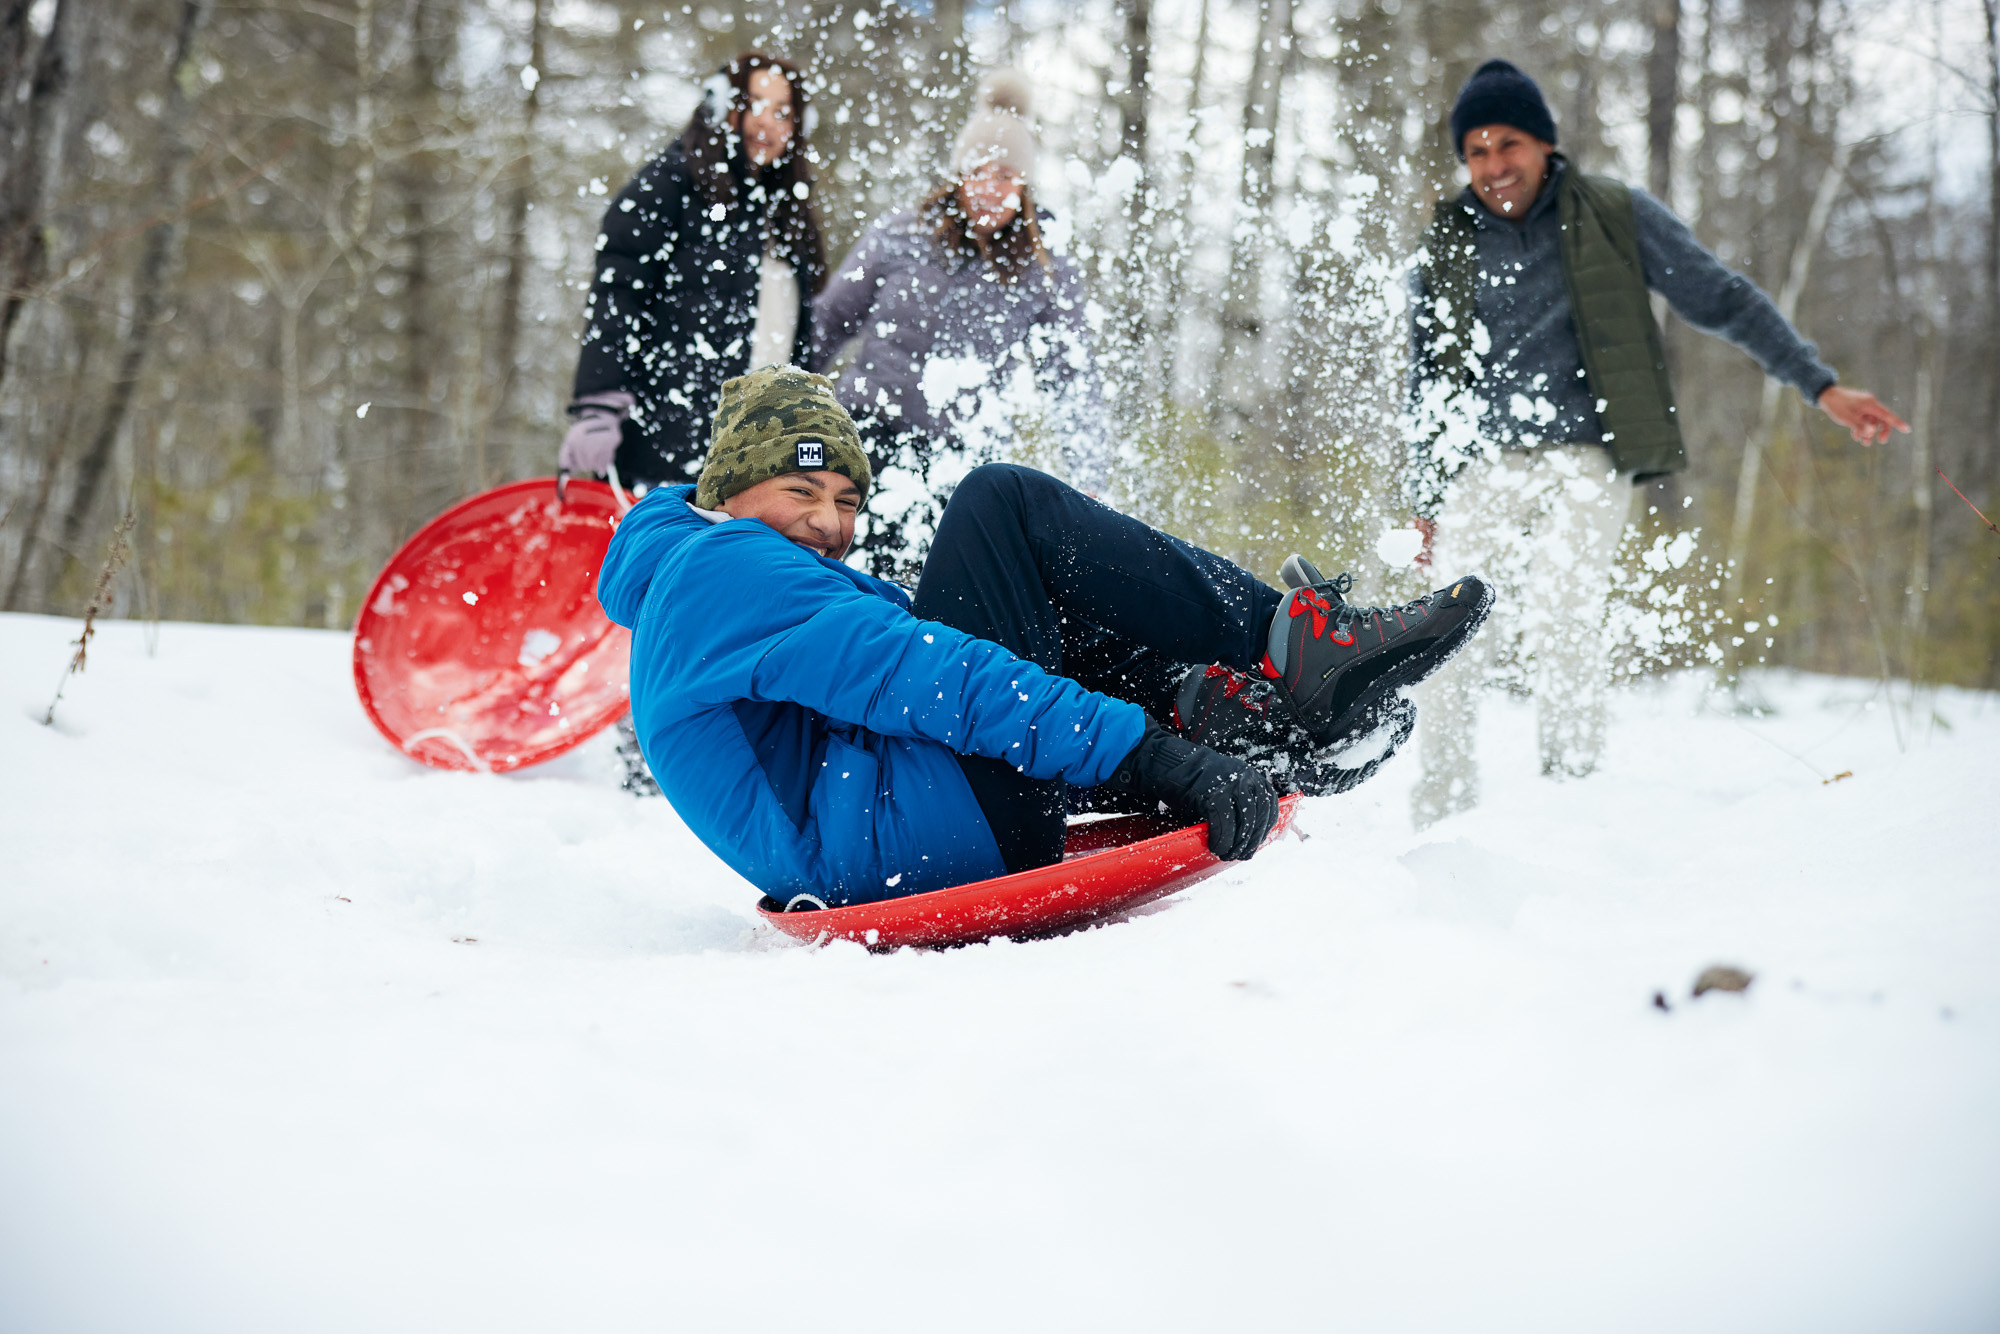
(1109, 866)
(481, 645)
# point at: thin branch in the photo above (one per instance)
(121, 547)
(1969, 505)
(176, 217)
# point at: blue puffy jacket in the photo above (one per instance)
(803, 722)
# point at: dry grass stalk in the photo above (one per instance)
(114, 560)
(1968, 504)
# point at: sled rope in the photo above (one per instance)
(446, 734)
(617, 490)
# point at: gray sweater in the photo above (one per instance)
(1533, 386)
(948, 348)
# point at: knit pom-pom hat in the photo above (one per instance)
(999, 130)
(1498, 93)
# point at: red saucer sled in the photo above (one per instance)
(1110, 866)
(481, 645)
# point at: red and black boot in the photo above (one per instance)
(1340, 667)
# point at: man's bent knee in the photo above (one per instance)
(1004, 482)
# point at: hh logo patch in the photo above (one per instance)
(812, 454)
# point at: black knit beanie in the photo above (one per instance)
(1499, 94)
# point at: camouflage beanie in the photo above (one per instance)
(774, 421)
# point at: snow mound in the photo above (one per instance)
(296, 1034)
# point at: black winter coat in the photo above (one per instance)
(671, 312)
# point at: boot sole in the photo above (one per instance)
(1364, 713)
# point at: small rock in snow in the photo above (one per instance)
(1722, 977)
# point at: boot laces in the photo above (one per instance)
(1345, 612)
(1334, 600)
(1235, 683)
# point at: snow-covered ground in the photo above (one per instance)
(296, 1035)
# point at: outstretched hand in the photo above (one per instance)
(1861, 413)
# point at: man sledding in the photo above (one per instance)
(837, 741)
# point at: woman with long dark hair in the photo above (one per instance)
(968, 325)
(707, 264)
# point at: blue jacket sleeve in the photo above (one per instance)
(1719, 301)
(761, 619)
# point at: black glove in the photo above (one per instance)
(1237, 801)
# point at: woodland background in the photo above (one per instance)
(282, 280)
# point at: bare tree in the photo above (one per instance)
(23, 243)
(388, 219)
(1133, 96)
(1663, 96)
(157, 266)
(1759, 443)
(1242, 317)
(519, 195)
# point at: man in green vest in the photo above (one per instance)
(1539, 396)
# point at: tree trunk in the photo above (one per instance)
(1132, 103)
(291, 386)
(951, 23)
(23, 249)
(157, 269)
(1242, 326)
(1663, 100)
(1767, 410)
(1583, 127)
(85, 327)
(1930, 331)
(13, 57)
(421, 342)
(1132, 277)
(1991, 10)
(1923, 416)
(1175, 239)
(507, 335)
(405, 470)
(1707, 144)
(1452, 32)
(1663, 97)
(354, 226)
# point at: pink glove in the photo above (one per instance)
(594, 436)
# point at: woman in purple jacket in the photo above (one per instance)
(965, 322)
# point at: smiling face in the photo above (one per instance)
(766, 123)
(992, 198)
(814, 509)
(1508, 166)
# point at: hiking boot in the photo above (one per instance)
(1244, 716)
(1340, 666)
(638, 779)
(1232, 712)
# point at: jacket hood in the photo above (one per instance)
(646, 536)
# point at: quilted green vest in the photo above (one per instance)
(1624, 359)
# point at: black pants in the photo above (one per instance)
(1081, 591)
